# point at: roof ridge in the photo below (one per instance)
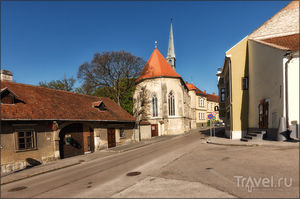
(55, 90)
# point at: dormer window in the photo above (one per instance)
(8, 97)
(100, 105)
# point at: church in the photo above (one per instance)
(162, 98)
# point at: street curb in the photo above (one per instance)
(247, 145)
(36, 174)
(251, 145)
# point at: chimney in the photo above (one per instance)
(204, 91)
(6, 75)
(213, 94)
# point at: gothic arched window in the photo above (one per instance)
(171, 102)
(154, 106)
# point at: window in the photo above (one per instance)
(222, 94)
(201, 102)
(245, 83)
(100, 105)
(201, 116)
(68, 138)
(171, 103)
(122, 133)
(227, 89)
(25, 140)
(154, 106)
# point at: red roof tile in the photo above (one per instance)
(157, 66)
(200, 92)
(191, 86)
(49, 104)
(290, 42)
(214, 98)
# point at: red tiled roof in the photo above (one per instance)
(200, 92)
(49, 104)
(290, 42)
(157, 66)
(213, 97)
(191, 86)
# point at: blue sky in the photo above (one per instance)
(44, 40)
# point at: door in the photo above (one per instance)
(263, 114)
(111, 138)
(154, 130)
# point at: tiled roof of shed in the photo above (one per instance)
(49, 104)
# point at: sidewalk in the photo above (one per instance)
(63, 163)
(229, 142)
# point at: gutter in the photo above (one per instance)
(289, 56)
(230, 92)
(80, 120)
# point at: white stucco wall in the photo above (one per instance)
(293, 90)
(161, 87)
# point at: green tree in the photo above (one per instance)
(111, 74)
(66, 84)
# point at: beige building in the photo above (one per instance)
(259, 81)
(202, 105)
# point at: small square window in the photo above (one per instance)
(26, 140)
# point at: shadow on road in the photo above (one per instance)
(219, 132)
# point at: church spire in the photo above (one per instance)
(171, 50)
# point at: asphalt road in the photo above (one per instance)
(183, 166)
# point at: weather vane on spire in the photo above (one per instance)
(155, 44)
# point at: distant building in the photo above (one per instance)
(42, 124)
(259, 81)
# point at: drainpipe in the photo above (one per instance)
(289, 56)
(140, 130)
(230, 93)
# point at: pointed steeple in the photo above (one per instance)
(171, 50)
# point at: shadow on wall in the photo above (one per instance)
(245, 95)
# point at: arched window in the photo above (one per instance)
(154, 106)
(171, 102)
(201, 102)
